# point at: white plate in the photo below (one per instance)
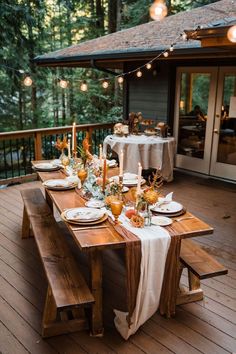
(126, 181)
(125, 189)
(111, 163)
(59, 184)
(84, 214)
(167, 208)
(93, 203)
(45, 166)
(161, 220)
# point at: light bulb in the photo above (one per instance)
(120, 79)
(158, 10)
(166, 54)
(27, 81)
(63, 83)
(171, 48)
(148, 66)
(84, 86)
(139, 73)
(184, 36)
(105, 84)
(231, 34)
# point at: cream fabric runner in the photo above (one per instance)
(155, 241)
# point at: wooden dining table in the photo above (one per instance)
(94, 239)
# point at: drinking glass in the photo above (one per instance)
(116, 209)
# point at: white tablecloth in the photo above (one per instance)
(151, 151)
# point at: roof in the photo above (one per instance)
(143, 40)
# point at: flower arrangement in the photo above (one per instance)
(61, 144)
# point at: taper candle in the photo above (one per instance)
(73, 137)
(68, 147)
(100, 154)
(121, 162)
(139, 178)
(104, 172)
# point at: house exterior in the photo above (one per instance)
(193, 89)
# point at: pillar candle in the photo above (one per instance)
(100, 154)
(68, 146)
(104, 172)
(139, 178)
(121, 162)
(73, 137)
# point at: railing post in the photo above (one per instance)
(38, 146)
(90, 133)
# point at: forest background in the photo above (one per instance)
(32, 27)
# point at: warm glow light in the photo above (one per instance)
(27, 81)
(184, 36)
(105, 84)
(231, 34)
(63, 83)
(120, 79)
(84, 86)
(158, 10)
(148, 66)
(171, 48)
(166, 54)
(139, 73)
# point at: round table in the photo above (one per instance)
(150, 151)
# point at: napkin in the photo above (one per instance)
(165, 200)
(129, 176)
(73, 180)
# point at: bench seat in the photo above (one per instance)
(67, 290)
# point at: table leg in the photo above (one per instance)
(96, 287)
(48, 199)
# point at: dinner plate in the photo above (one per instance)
(84, 214)
(105, 216)
(127, 181)
(46, 166)
(125, 189)
(167, 208)
(59, 184)
(93, 203)
(111, 163)
(161, 221)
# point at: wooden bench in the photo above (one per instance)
(68, 295)
(200, 265)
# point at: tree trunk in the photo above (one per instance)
(112, 15)
(118, 14)
(99, 17)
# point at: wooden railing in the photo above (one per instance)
(19, 148)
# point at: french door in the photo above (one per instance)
(205, 120)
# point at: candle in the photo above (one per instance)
(74, 137)
(104, 173)
(139, 178)
(121, 162)
(100, 154)
(68, 147)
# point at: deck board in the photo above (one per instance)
(207, 327)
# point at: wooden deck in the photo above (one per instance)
(204, 327)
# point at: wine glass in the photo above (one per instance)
(65, 161)
(116, 209)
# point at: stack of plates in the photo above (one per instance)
(59, 184)
(170, 209)
(84, 216)
(129, 179)
(46, 166)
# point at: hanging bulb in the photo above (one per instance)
(27, 81)
(105, 84)
(166, 54)
(184, 36)
(158, 10)
(231, 34)
(148, 66)
(63, 83)
(84, 86)
(120, 79)
(171, 48)
(139, 73)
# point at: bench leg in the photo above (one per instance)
(195, 293)
(96, 286)
(25, 225)
(49, 313)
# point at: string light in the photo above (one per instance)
(231, 34)
(27, 81)
(184, 36)
(158, 10)
(171, 48)
(120, 79)
(148, 66)
(139, 73)
(84, 86)
(63, 83)
(166, 54)
(105, 84)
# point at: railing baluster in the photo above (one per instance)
(18, 157)
(5, 160)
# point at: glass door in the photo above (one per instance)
(194, 117)
(223, 163)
